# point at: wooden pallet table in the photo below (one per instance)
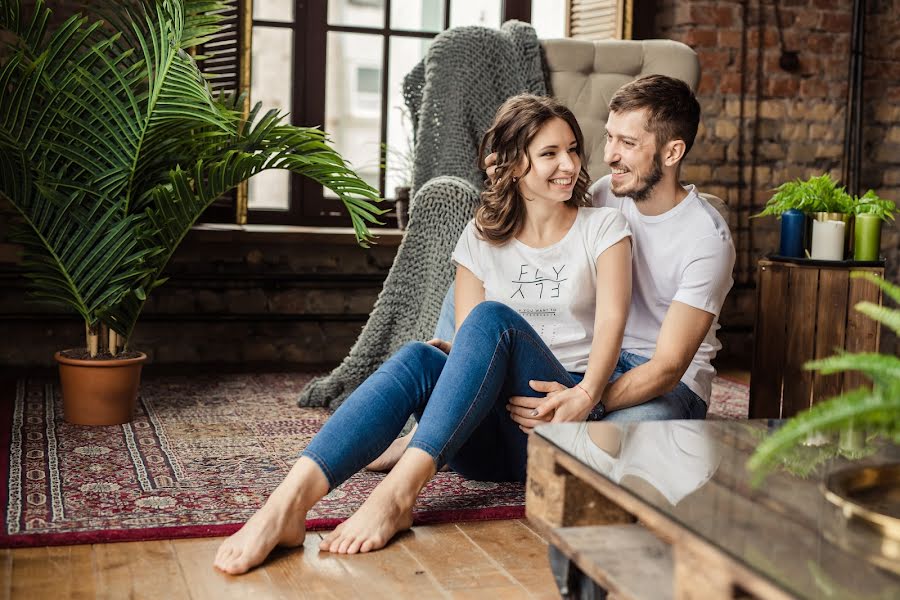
(666, 510)
(804, 312)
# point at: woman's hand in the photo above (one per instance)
(442, 345)
(560, 405)
(521, 410)
(490, 166)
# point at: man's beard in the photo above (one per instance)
(646, 183)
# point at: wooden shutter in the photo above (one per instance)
(599, 19)
(227, 59)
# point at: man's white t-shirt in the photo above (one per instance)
(684, 255)
(553, 288)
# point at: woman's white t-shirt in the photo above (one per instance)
(553, 288)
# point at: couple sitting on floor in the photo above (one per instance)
(553, 278)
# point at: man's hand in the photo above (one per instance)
(560, 405)
(490, 165)
(442, 345)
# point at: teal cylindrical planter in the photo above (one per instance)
(867, 237)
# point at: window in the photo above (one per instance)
(340, 64)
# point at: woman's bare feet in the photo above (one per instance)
(392, 455)
(387, 511)
(280, 522)
(371, 527)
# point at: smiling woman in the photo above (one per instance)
(535, 140)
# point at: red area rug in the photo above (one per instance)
(201, 455)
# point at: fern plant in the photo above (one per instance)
(877, 411)
(112, 145)
(871, 203)
(816, 194)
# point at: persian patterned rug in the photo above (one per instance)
(200, 457)
(730, 400)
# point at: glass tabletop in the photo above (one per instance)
(693, 473)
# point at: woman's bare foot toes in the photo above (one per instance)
(371, 527)
(389, 457)
(273, 525)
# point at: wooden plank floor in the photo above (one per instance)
(490, 559)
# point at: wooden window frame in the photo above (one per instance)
(308, 206)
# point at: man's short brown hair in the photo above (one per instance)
(673, 110)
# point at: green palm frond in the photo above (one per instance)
(878, 411)
(86, 261)
(266, 144)
(882, 369)
(892, 290)
(884, 315)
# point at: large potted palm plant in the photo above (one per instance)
(112, 145)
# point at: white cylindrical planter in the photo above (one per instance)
(828, 240)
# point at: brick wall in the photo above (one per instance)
(763, 125)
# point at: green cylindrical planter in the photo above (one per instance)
(867, 237)
(852, 438)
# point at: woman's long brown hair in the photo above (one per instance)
(502, 211)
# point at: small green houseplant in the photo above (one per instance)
(871, 411)
(112, 145)
(829, 205)
(815, 195)
(871, 212)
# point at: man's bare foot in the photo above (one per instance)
(372, 526)
(392, 455)
(280, 522)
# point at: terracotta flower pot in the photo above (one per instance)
(99, 392)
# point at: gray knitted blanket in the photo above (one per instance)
(452, 96)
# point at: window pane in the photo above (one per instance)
(273, 10)
(417, 15)
(549, 18)
(404, 54)
(353, 101)
(475, 12)
(270, 83)
(358, 13)
(269, 190)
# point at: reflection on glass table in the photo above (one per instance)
(687, 483)
(672, 462)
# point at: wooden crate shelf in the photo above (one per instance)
(804, 312)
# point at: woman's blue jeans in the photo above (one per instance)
(459, 401)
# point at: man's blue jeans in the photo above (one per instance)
(459, 401)
(680, 403)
